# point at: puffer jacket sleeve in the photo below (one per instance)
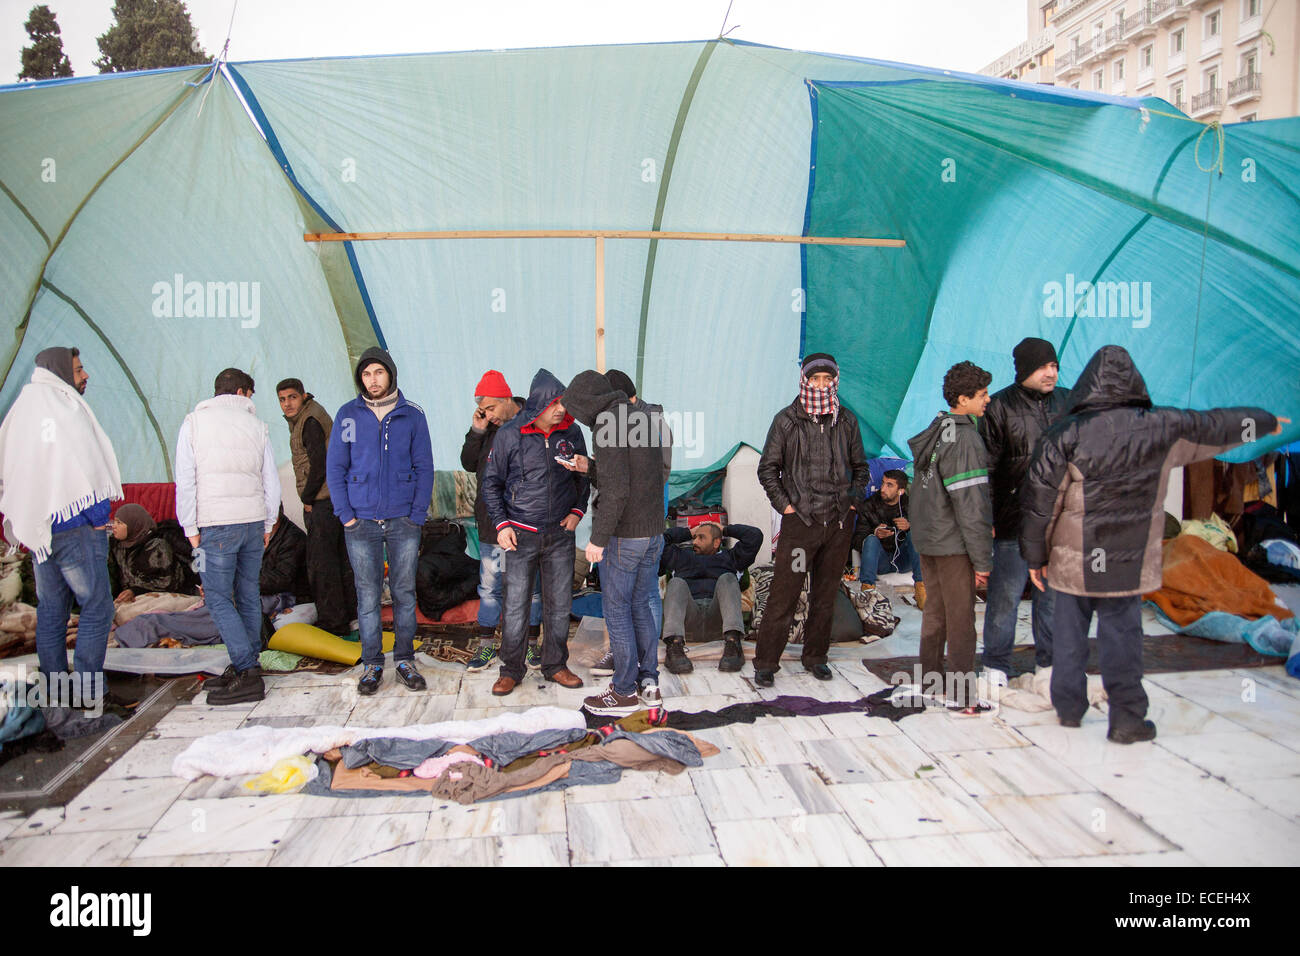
(964, 468)
(858, 462)
(772, 463)
(494, 476)
(993, 428)
(1210, 433)
(1041, 496)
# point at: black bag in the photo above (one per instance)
(445, 576)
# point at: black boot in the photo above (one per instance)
(733, 655)
(675, 660)
(246, 687)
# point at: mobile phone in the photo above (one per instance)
(564, 461)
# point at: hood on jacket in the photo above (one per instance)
(589, 394)
(546, 388)
(376, 354)
(923, 445)
(1109, 380)
(57, 360)
(621, 382)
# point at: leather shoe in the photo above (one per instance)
(566, 678)
(820, 671)
(764, 678)
(503, 686)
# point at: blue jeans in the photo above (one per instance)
(367, 541)
(628, 573)
(548, 555)
(491, 576)
(1006, 585)
(877, 561)
(76, 571)
(231, 556)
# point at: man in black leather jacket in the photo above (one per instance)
(1016, 416)
(814, 471)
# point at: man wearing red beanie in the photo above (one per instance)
(494, 405)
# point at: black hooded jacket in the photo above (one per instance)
(1015, 418)
(1092, 503)
(626, 442)
(474, 457)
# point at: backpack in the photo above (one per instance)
(875, 610)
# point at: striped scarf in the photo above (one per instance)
(820, 401)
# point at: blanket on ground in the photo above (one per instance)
(251, 750)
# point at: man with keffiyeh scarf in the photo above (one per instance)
(58, 477)
(814, 471)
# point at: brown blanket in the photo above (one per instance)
(1199, 578)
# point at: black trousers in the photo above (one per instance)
(328, 569)
(1119, 640)
(821, 551)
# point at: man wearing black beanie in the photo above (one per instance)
(814, 471)
(1016, 416)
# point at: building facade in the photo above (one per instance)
(1230, 60)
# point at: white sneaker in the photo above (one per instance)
(995, 677)
(650, 696)
(605, 666)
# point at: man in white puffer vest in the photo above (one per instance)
(227, 500)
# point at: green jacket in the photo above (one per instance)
(950, 508)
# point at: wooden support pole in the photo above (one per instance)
(604, 234)
(600, 305)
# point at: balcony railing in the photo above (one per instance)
(1169, 9)
(1140, 23)
(1111, 37)
(1207, 101)
(1246, 87)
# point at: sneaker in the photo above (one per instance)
(370, 679)
(605, 666)
(1132, 735)
(733, 656)
(246, 687)
(764, 678)
(482, 660)
(995, 677)
(533, 659)
(675, 660)
(612, 704)
(650, 696)
(919, 594)
(411, 677)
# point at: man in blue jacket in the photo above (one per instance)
(535, 504)
(380, 471)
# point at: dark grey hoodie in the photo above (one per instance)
(626, 441)
(951, 511)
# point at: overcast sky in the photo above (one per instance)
(956, 34)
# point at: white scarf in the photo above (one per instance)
(55, 461)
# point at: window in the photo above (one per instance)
(1048, 11)
(1074, 43)
(1074, 85)
(1211, 79)
(1119, 71)
(1147, 57)
(1213, 24)
(1098, 29)
(1098, 78)
(1250, 63)
(1249, 9)
(1249, 118)
(1176, 94)
(1176, 40)
(1119, 18)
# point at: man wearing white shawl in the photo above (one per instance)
(58, 477)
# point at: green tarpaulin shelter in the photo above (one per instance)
(156, 221)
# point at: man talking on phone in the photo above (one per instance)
(535, 504)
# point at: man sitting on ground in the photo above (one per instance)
(883, 535)
(703, 597)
